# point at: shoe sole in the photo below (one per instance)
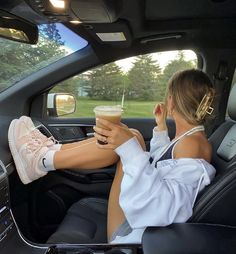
(15, 154)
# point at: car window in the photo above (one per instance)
(135, 83)
(19, 60)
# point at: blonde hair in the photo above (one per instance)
(192, 93)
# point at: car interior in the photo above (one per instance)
(66, 211)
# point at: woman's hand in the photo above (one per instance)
(160, 115)
(113, 136)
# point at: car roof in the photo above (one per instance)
(147, 26)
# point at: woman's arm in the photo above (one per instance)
(160, 136)
(158, 196)
(117, 134)
(159, 140)
(160, 113)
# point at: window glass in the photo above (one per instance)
(135, 83)
(19, 60)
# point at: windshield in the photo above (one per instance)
(19, 60)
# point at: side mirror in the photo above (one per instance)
(17, 29)
(60, 104)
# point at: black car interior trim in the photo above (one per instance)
(227, 149)
(182, 238)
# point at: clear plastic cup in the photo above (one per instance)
(109, 113)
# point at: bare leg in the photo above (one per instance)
(74, 144)
(115, 215)
(84, 155)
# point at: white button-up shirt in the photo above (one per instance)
(161, 195)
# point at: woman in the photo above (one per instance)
(152, 188)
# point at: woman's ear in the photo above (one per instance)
(170, 106)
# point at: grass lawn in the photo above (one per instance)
(84, 108)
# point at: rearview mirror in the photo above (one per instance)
(17, 29)
(60, 104)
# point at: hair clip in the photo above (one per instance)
(205, 107)
(210, 110)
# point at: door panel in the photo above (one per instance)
(70, 130)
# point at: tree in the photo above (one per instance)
(19, 59)
(51, 32)
(105, 83)
(143, 78)
(172, 67)
(77, 85)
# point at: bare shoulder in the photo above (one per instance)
(194, 146)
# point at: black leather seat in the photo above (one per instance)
(215, 204)
(85, 222)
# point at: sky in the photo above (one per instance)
(163, 58)
(72, 40)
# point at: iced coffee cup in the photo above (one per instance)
(109, 113)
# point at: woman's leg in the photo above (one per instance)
(84, 155)
(74, 144)
(115, 215)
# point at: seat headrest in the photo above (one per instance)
(232, 103)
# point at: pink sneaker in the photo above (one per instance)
(51, 143)
(26, 151)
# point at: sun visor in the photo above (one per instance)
(116, 34)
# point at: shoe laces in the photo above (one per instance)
(33, 144)
(48, 141)
(37, 134)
